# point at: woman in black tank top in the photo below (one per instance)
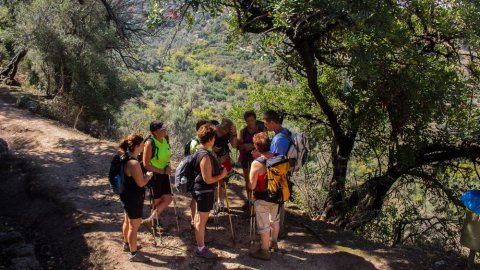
(208, 173)
(132, 195)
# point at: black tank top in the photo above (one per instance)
(131, 187)
(200, 184)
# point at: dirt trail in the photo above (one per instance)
(71, 167)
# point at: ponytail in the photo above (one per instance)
(129, 144)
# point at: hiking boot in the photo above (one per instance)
(205, 253)
(139, 257)
(274, 246)
(261, 254)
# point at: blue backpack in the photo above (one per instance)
(116, 173)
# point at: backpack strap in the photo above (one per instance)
(262, 160)
(154, 147)
(289, 137)
(124, 158)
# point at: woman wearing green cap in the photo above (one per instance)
(156, 158)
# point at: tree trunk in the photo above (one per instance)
(11, 70)
(336, 192)
(342, 144)
(365, 203)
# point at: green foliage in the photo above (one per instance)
(6, 34)
(386, 82)
(68, 48)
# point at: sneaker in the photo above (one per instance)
(139, 257)
(274, 246)
(126, 247)
(261, 254)
(205, 253)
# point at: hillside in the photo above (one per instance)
(55, 191)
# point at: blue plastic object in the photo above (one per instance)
(471, 199)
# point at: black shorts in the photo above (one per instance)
(132, 204)
(204, 201)
(160, 185)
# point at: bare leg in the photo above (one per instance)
(246, 173)
(161, 204)
(193, 209)
(221, 195)
(274, 231)
(134, 224)
(282, 219)
(265, 241)
(125, 228)
(200, 223)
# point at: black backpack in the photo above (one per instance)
(116, 175)
(185, 173)
(186, 147)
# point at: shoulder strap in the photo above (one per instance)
(261, 159)
(124, 158)
(154, 146)
(289, 137)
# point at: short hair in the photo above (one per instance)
(226, 125)
(272, 116)
(205, 133)
(261, 141)
(200, 123)
(248, 114)
(156, 125)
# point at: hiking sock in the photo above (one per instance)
(125, 243)
(133, 253)
(200, 249)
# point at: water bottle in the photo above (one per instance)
(118, 183)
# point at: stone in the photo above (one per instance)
(24, 263)
(3, 148)
(23, 250)
(440, 263)
(9, 238)
(28, 103)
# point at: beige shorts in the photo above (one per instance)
(266, 214)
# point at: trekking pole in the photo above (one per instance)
(228, 211)
(216, 208)
(174, 202)
(252, 219)
(152, 209)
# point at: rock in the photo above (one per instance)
(10, 82)
(3, 148)
(9, 238)
(338, 242)
(23, 250)
(440, 263)
(28, 103)
(24, 263)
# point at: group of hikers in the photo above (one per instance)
(146, 163)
